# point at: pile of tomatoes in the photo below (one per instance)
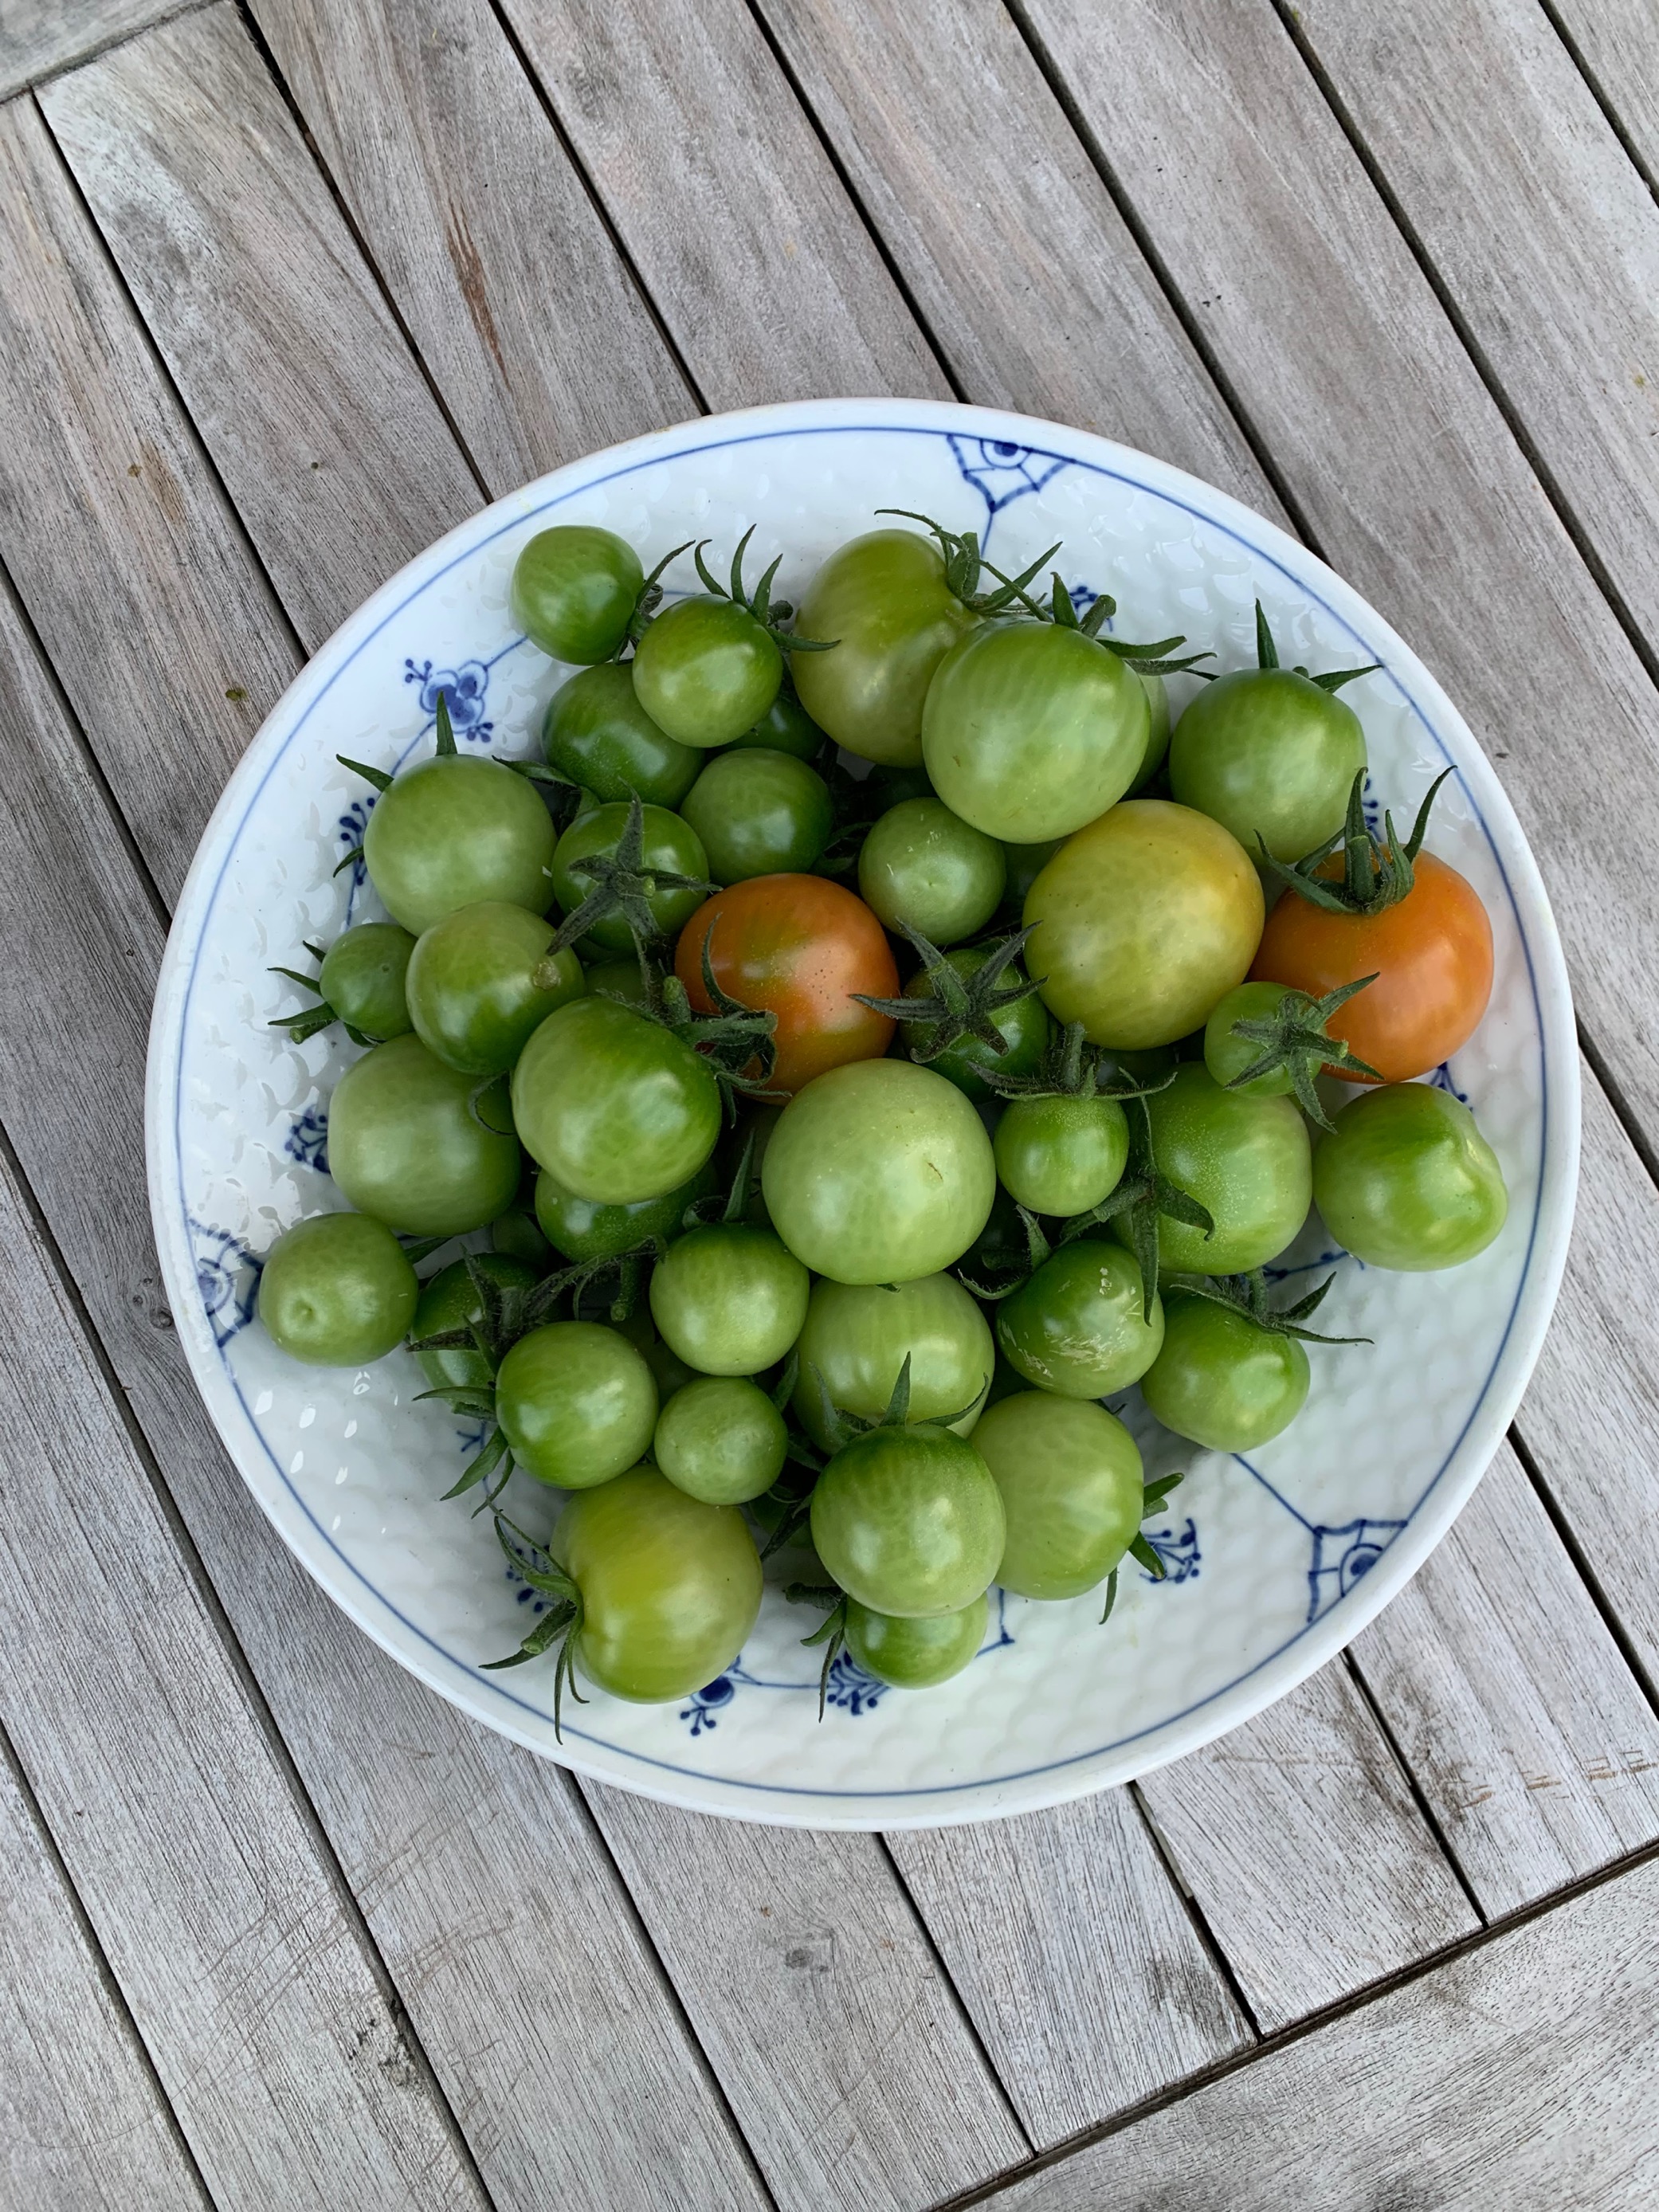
(928, 1049)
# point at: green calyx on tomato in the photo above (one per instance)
(708, 668)
(1245, 1162)
(1144, 1554)
(1269, 1042)
(627, 875)
(960, 997)
(359, 984)
(858, 1338)
(1377, 872)
(1406, 1180)
(457, 1341)
(596, 734)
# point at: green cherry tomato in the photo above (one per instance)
(449, 1301)
(1076, 1328)
(877, 1172)
(759, 814)
(577, 1403)
(883, 599)
(618, 1108)
(596, 733)
(916, 1655)
(729, 1299)
(455, 829)
(786, 727)
(1073, 1491)
(1221, 1381)
(1227, 1056)
(671, 1586)
(619, 979)
(406, 1145)
(856, 1338)
(362, 979)
(1157, 731)
(721, 1439)
(583, 1230)
(1268, 753)
(1025, 1027)
(1406, 1181)
(1032, 731)
(1058, 1155)
(923, 867)
(908, 1522)
(474, 992)
(337, 1291)
(1023, 863)
(574, 591)
(670, 844)
(1247, 1159)
(705, 671)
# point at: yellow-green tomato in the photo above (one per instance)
(1222, 1382)
(1059, 1154)
(671, 1586)
(578, 1403)
(857, 1337)
(923, 868)
(1247, 1159)
(908, 1522)
(1073, 1491)
(884, 600)
(1078, 1326)
(455, 829)
(721, 1439)
(408, 1142)
(1142, 922)
(1406, 1181)
(877, 1172)
(730, 1300)
(337, 1291)
(915, 1655)
(476, 988)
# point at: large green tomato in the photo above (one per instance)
(574, 591)
(1142, 922)
(1030, 730)
(362, 979)
(473, 995)
(878, 1172)
(1026, 1029)
(577, 1402)
(669, 844)
(615, 1105)
(729, 1299)
(1267, 752)
(705, 671)
(455, 829)
(1406, 1181)
(915, 1655)
(671, 1586)
(582, 1231)
(721, 1439)
(908, 1522)
(408, 1142)
(858, 1337)
(449, 1301)
(1222, 1382)
(337, 1291)
(1078, 1326)
(1058, 1155)
(883, 599)
(759, 814)
(923, 868)
(1073, 1491)
(596, 733)
(1247, 1159)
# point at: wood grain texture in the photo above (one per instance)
(1527, 1733)
(1019, 262)
(221, 1919)
(82, 2126)
(498, 264)
(1299, 1838)
(1519, 2074)
(39, 36)
(232, 246)
(1411, 483)
(743, 235)
(845, 2054)
(137, 577)
(1077, 1960)
(1614, 43)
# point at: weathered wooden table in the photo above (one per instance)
(285, 291)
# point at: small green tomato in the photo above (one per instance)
(721, 1439)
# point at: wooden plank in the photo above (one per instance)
(1299, 1838)
(220, 1915)
(1612, 42)
(1019, 262)
(743, 235)
(137, 577)
(83, 2127)
(482, 230)
(39, 36)
(1089, 1985)
(1527, 1733)
(847, 2057)
(1519, 2074)
(196, 175)
(1410, 482)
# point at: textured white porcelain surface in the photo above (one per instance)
(1272, 1566)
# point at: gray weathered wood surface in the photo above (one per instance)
(276, 309)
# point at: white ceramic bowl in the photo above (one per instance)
(1273, 1564)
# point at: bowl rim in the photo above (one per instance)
(487, 1698)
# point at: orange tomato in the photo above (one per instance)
(798, 946)
(1431, 953)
